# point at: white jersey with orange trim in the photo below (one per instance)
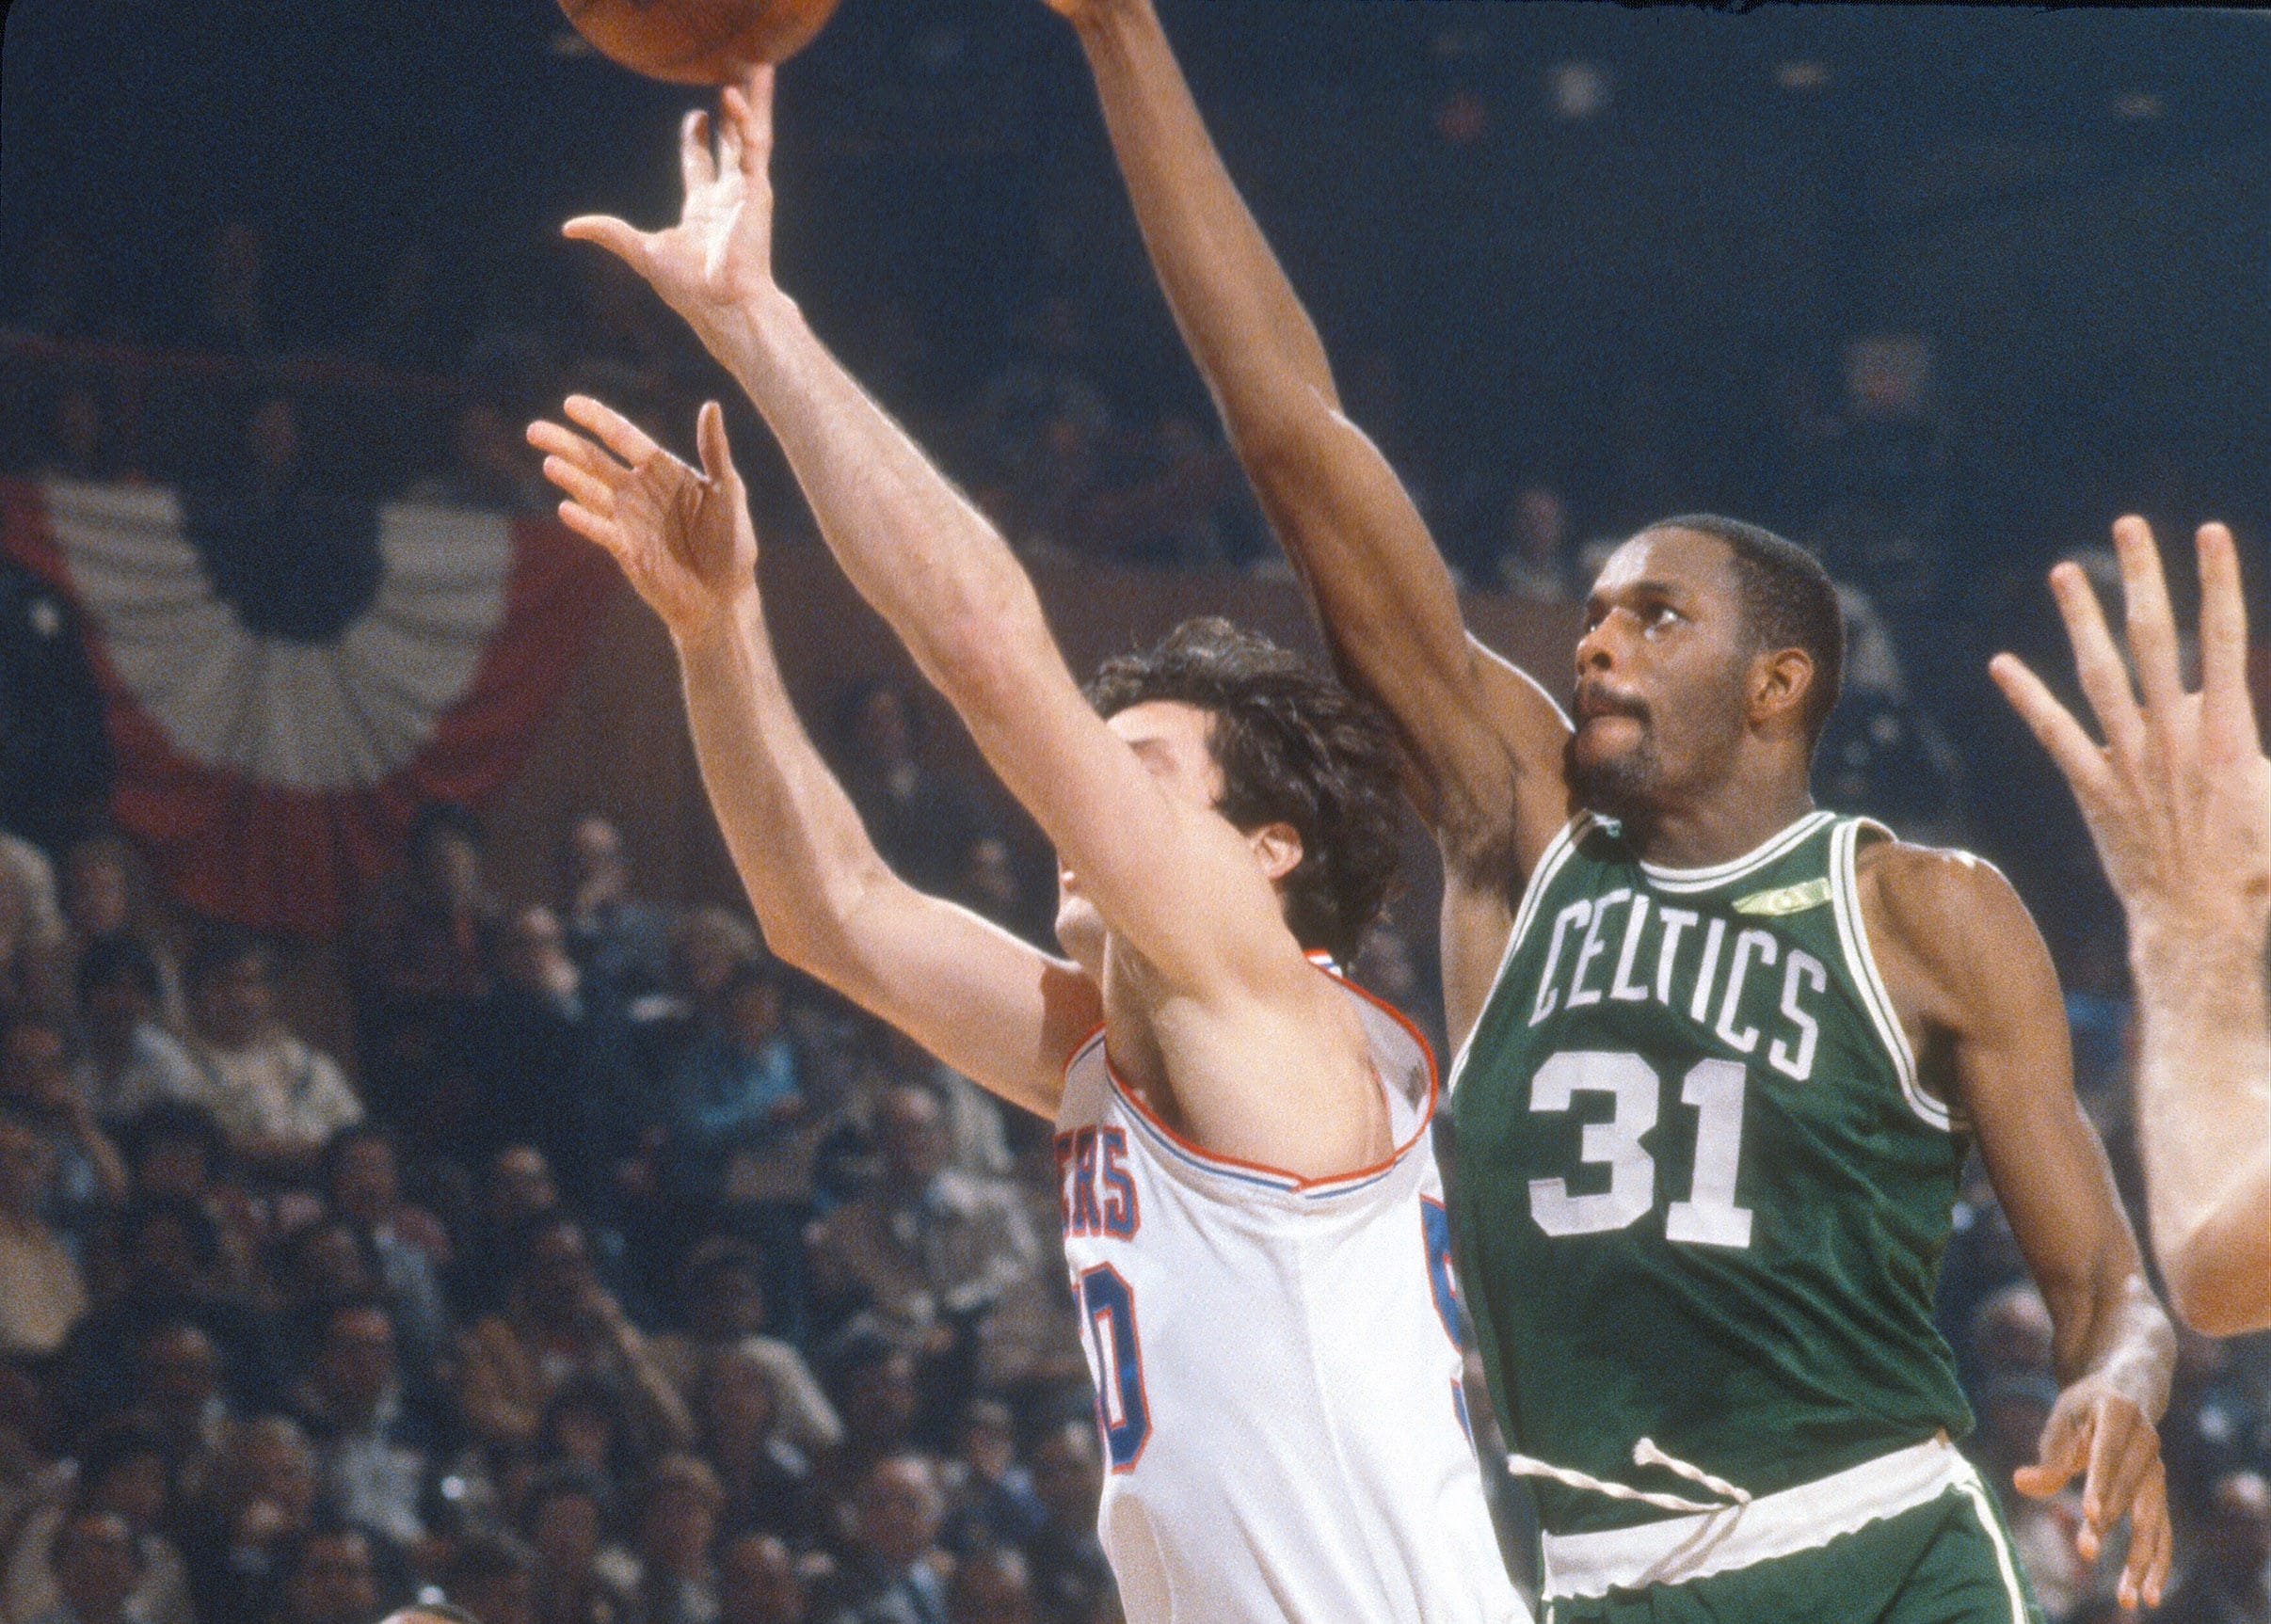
(1277, 1367)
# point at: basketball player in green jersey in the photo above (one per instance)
(1722, 1053)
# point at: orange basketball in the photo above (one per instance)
(697, 42)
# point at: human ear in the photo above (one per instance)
(1781, 684)
(1277, 847)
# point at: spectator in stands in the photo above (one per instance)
(991, 1585)
(990, 1497)
(121, 1471)
(618, 941)
(360, 1179)
(493, 1577)
(105, 892)
(42, 1295)
(1069, 1569)
(176, 1150)
(758, 1583)
(930, 1250)
(329, 1575)
(277, 1099)
(677, 1526)
(261, 1501)
(560, 1323)
(375, 1445)
(587, 1423)
(129, 1060)
(96, 1572)
(872, 1383)
(920, 822)
(178, 1397)
(581, 1578)
(520, 1191)
(723, 1302)
(766, 1479)
(34, 1076)
(171, 1269)
(1536, 563)
(888, 1574)
(736, 1089)
(2229, 1579)
(423, 961)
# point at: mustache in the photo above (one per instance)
(1591, 699)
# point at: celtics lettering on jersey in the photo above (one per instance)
(1702, 1194)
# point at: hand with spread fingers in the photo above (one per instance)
(2178, 800)
(715, 265)
(684, 538)
(2102, 1435)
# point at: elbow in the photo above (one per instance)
(1281, 429)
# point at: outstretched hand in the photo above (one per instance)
(2104, 1436)
(719, 256)
(2178, 798)
(685, 539)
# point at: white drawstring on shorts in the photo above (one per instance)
(1644, 1453)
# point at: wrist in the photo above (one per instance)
(2196, 959)
(719, 640)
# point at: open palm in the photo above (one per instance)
(684, 538)
(719, 255)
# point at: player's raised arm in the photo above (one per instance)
(1487, 739)
(1183, 889)
(987, 1003)
(2179, 802)
(1958, 942)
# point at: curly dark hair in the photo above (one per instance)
(1295, 747)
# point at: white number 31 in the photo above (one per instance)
(1715, 1088)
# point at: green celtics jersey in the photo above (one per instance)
(1700, 1197)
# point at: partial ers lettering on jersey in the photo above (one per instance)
(1738, 983)
(1094, 1195)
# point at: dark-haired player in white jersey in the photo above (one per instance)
(1251, 1205)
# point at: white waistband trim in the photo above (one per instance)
(1801, 1519)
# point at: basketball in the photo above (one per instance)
(697, 42)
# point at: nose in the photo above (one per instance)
(1598, 650)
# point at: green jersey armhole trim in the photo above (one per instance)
(1687, 881)
(1853, 935)
(1549, 864)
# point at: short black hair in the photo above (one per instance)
(1294, 747)
(163, 1120)
(220, 949)
(1789, 601)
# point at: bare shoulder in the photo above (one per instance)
(1941, 919)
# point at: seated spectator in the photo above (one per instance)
(262, 1500)
(557, 1065)
(520, 1192)
(990, 1497)
(493, 1577)
(920, 822)
(991, 1585)
(559, 1323)
(129, 1060)
(33, 946)
(277, 1100)
(177, 1384)
(677, 1526)
(171, 1270)
(618, 941)
(34, 1076)
(97, 1572)
(758, 1583)
(331, 1574)
(375, 1445)
(42, 1295)
(888, 1573)
(27, 1474)
(424, 962)
(736, 1087)
(767, 1480)
(930, 1250)
(106, 893)
(176, 1151)
(872, 1383)
(587, 1423)
(121, 1472)
(581, 1578)
(1069, 1569)
(723, 1302)
(359, 1178)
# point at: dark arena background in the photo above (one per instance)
(544, 1243)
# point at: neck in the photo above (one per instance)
(1737, 817)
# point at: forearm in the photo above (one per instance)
(913, 545)
(797, 841)
(2203, 1103)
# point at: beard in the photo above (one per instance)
(1619, 785)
